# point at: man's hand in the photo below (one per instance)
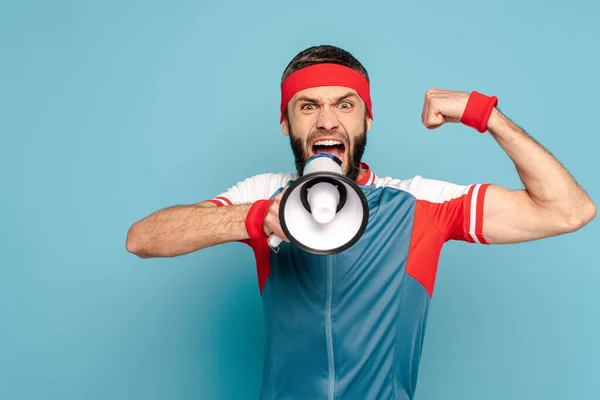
(271, 224)
(443, 106)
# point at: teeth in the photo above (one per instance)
(327, 143)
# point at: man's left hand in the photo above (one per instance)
(443, 106)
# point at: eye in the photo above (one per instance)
(345, 105)
(308, 106)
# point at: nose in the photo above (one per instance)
(327, 119)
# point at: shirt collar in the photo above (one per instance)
(368, 178)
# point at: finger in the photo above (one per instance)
(274, 211)
(267, 224)
(274, 227)
(274, 208)
(273, 215)
(425, 106)
(434, 117)
(280, 195)
(279, 232)
(429, 104)
(432, 127)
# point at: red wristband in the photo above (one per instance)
(478, 111)
(256, 218)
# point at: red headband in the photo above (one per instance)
(324, 75)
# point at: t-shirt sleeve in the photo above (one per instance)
(251, 189)
(455, 210)
(243, 192)
(254, 188)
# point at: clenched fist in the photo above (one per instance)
(443, 106)
(271, 223)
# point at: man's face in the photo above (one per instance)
(328, 119)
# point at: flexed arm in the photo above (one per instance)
(552, 202)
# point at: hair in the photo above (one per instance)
(324, 54)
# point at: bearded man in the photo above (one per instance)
(351, 325)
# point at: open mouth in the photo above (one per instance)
(333, 147)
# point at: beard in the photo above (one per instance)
(354, 152)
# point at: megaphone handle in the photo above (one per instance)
(274, 241)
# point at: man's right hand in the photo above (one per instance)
(272, 224)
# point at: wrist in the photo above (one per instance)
(256, 218)
(478, 111)
(498, 123)
(495, 120)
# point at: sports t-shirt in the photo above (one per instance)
(351, 325)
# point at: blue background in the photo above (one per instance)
(112, 110)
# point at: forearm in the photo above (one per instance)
(546, 181)
(180, 230)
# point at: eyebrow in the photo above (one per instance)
(313, 100)
(306, 98)
(344, 97)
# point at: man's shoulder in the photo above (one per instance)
(270, 179)
(262, 185)
(422, 188)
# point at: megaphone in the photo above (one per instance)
(323, 211)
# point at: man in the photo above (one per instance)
(351, 325)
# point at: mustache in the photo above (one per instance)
(341, 136)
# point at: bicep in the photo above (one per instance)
(511, 216)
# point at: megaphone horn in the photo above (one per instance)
(322, 212)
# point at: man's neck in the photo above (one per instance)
(361, 173)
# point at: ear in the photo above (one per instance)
(369, 123)
(284, 127)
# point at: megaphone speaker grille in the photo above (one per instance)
(312, 182)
